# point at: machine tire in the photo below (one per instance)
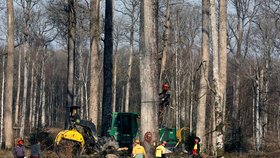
(110, 145)
(67, 149)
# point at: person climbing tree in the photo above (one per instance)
(164, 96)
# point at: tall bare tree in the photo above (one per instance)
(119, 32)
(217, 99)
(2, 99)
(204, 68)
(148, 74)
(27, 6)
(71, 56)
(165, 42)
(133, 15)
(107, 67)
(94, 62)
(18, 89)
(222, 67)
(8, 117)
(241, 29)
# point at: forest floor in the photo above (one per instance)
(48, 151)
(52, 154)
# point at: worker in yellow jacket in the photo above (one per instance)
(138, 150)
(160, 150)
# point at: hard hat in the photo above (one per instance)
(137, 141)
(20, 141)
(165, 86)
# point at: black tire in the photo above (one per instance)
(110, 145)
(67, 148)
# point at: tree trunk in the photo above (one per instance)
(258, 128)
(217, 97)
(35, 105)
(43, 89)
(222, 75)
(114, 98)
(94, 63)
(107, 68)
(8, 117)
(148, 75)
(204, 69)
(2, 102)
(25, 84)
(18, 90)
(165, 42)
(71, 58)
(80, 99)
(129, 68)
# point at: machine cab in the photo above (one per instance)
(124, 128)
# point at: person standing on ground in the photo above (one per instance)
(19, 149)
(138, 150)
(160, 150)
(196, 147)
(35, 150)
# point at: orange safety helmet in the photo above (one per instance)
(20, 141)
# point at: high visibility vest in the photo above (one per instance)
(195, 146)
(138, 151)
(159, 151)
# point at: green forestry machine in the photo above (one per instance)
(81, 138)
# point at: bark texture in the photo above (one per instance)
(148, 75)
(204, 68)
(8, 116)
(94, 63)
(107, 68)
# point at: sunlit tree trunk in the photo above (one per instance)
(31, 105)
(217, 97)
(131, 45)
(204, 68)
(8, 116)
(94, 63)
(165, 42)
(25, 84)
(220, 111)
(148, 75)
(2, 102)
(114, 99)
(43, 88)
(258, 128)
(18, 90)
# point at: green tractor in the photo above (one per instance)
(124, 128)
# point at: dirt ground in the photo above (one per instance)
(51, 154)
